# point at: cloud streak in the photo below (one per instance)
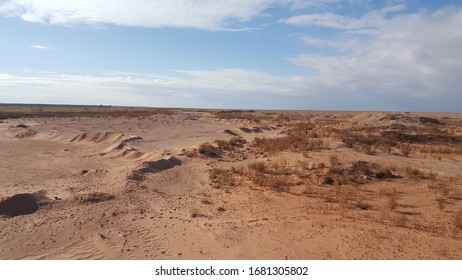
(40, 47)
(373, 19)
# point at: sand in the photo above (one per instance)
(130, 183)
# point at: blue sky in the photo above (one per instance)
(262, 54)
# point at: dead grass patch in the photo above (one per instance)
(289, 143)
(221, 178)
(209, 150)
(221, 147)
(357, 172)
(415, 173)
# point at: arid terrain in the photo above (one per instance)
(101, 182)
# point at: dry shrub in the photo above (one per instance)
(220, 147)
(209, 150)
(299, 138)
(426, 139)
(221, 178)
(232, 144)
(289, 143)
(280, 167)
(405, 150)
(304, 129)
(249, 115)
(276, 175)
(358, 172)
(414, 173)
(240, 170)
(75, 112)
(441, 150)
(401, 221)
(259, 167)
(366, 142)
(237, 141)
(363, 205)
(343, 197)
(190, 153)
(95, 197)
(334, 160)
(277, 183)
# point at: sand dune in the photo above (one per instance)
(153, 167)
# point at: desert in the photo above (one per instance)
(108, 182)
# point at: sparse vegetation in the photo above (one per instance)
(209, 150)
(287, 143)
(363, 205)
(414, 173)
(401, 221)
(220, 147)
(220, 178)
(76, 111)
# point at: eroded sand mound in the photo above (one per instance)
(127, 140)
(256, 129)
(79, 137)
(122, 149)
(229, 131)
(23, 204)
(109, 137)
(27, 133)
(153, 167)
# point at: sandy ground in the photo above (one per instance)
(135, 187)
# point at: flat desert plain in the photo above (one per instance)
(101, 182)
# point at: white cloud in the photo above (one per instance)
(241, 80)
(302, 4)
(40, 47)
(413, 56)
(372, 19)
(205, 14)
